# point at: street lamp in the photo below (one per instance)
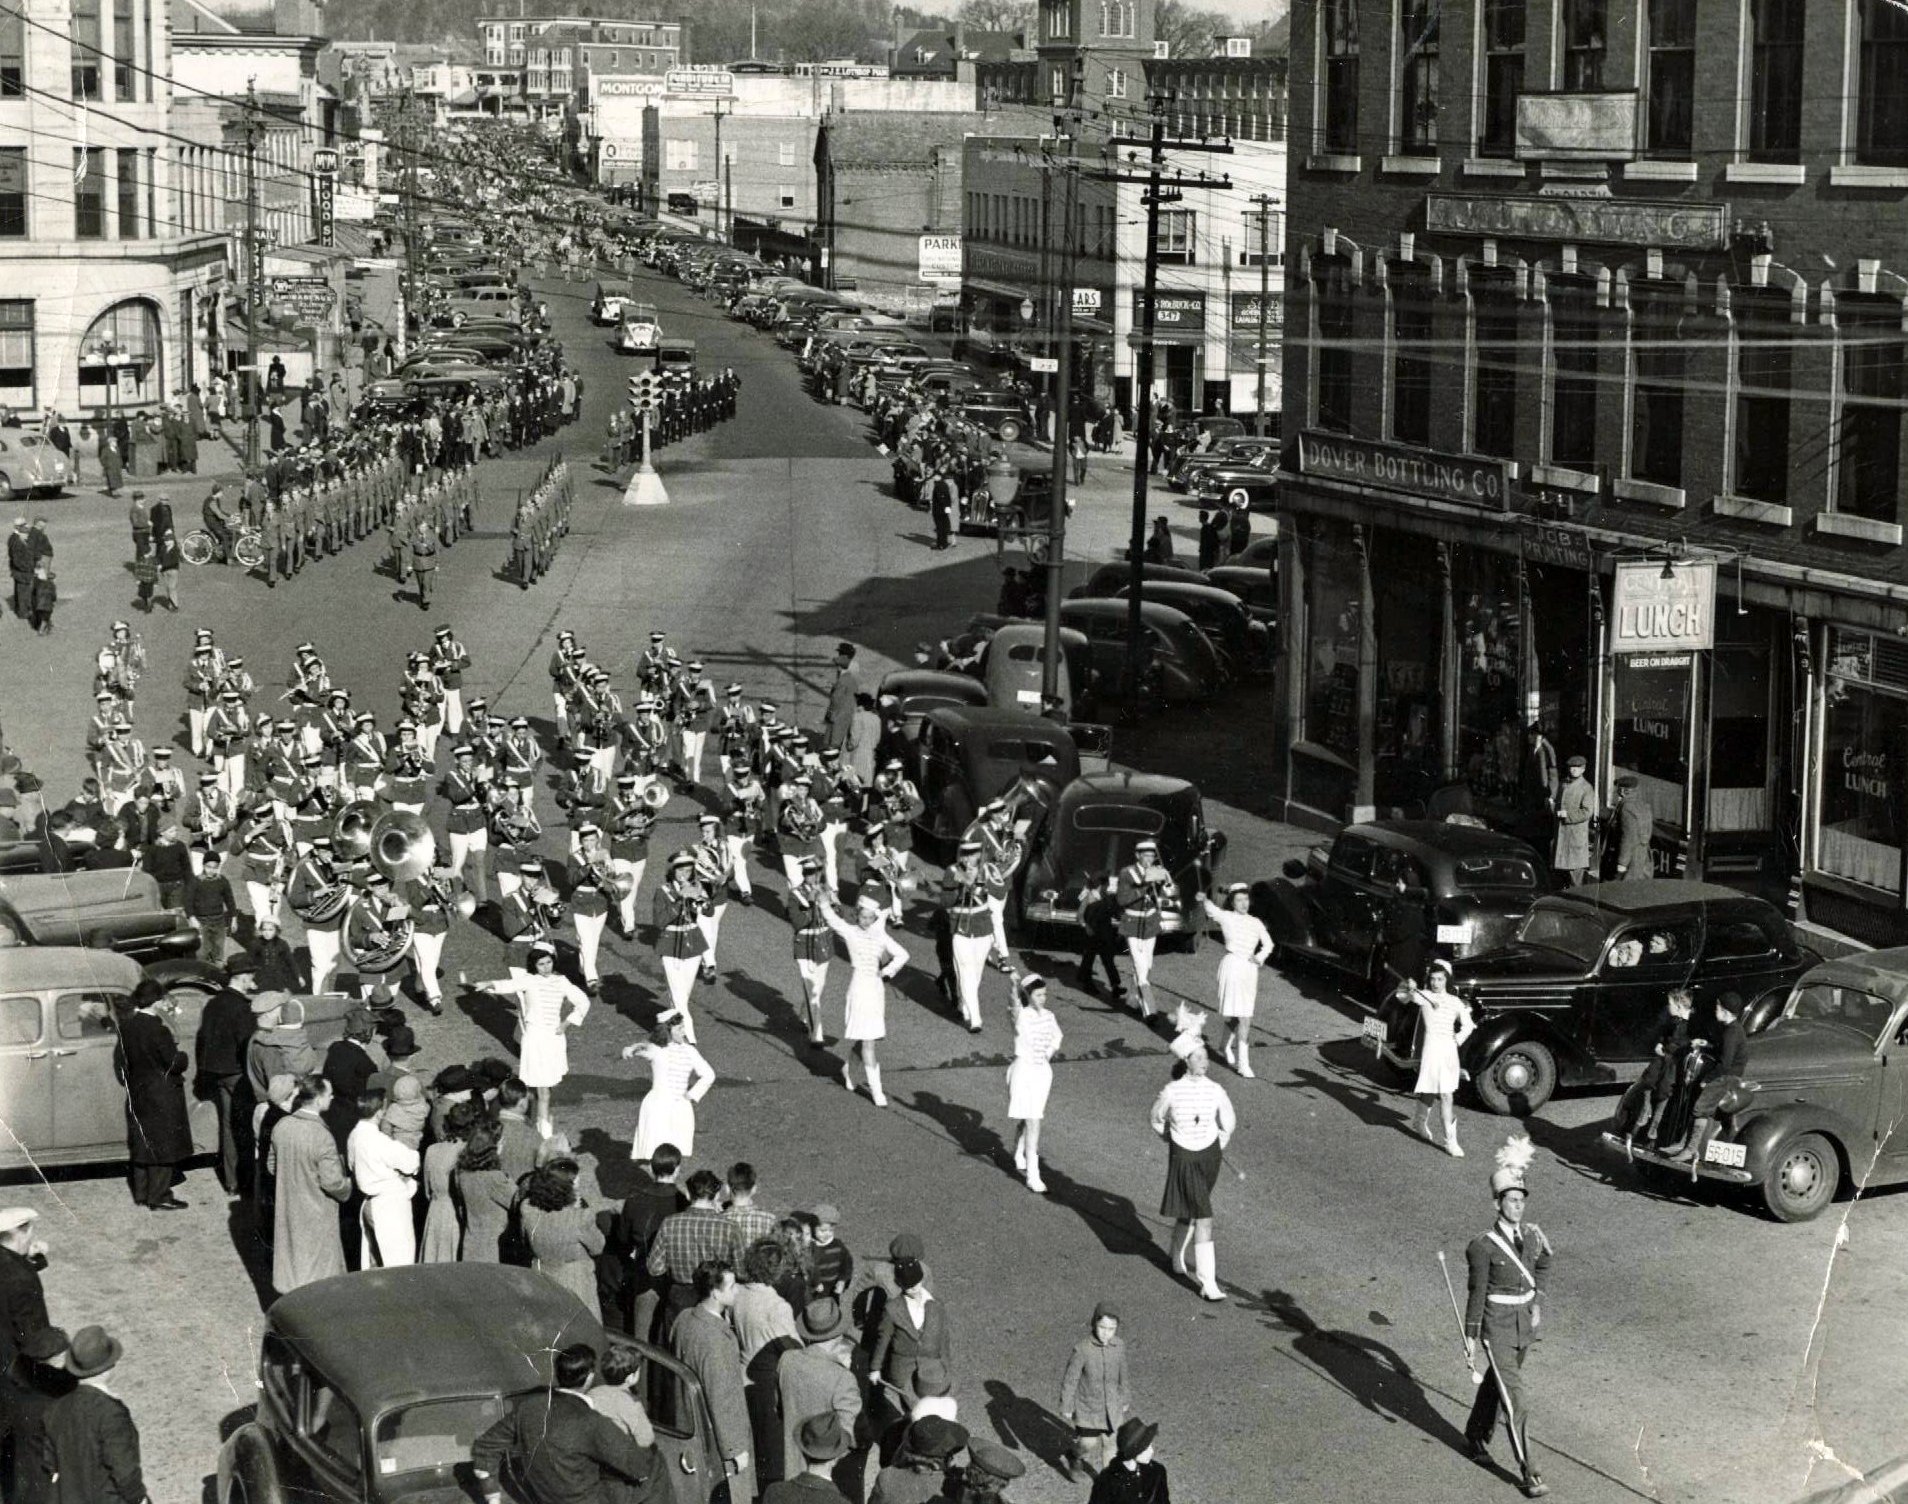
(107, 351)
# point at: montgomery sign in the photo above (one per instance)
(1467, 479)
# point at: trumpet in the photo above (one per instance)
(711, 867)
(445, 893)
(607, 879)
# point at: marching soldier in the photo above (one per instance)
(1505, 1310)
(423, 547)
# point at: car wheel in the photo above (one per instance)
(1238, 496)
(1009, 431)
(1802, 1179)
(6, 487)
(1520, 1079)
(458, 318)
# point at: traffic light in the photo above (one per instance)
(645, 392)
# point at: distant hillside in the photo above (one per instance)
(791, 30)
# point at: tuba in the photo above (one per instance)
(655, 795)
(326, 904)
(351, 830)
(375, 940)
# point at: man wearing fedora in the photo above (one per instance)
(918, 1473)
(1135, 1476)
(824, 1441)
(817, 1380)
(91, 1443)
(225, 1032)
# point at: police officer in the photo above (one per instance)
(1507, 1266)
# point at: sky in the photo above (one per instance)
(1246, 10)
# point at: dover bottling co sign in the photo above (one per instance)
(1664, 608)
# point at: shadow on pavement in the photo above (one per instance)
(1373, 1108)
(1027, 1425)
(1364, 1368)
(255, 1253)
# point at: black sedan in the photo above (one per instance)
(1254, 486)
(1578, 997)
(1387, 895)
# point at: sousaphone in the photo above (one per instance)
(377, 932)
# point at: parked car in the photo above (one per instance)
(348, 1415)
(1244, 645)
(1238, 449)
(1256, 588)
(1232, 484)
(64, 1102)
(1467, 888)
(1821, 1094)
(482, 303)
(115, 909)
(1108, 580)
(1577, 997)
(969, 755)
(29, 466)
(1013, 666)
(1003, 414)
(1261, 553)
(1090, 833)
(1179, 663)
(907, 696)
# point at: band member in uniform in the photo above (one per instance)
(592, 890)
(467, 826)
(695, 708)
(970, 928)
(265, 845)
(839, 791)
(519, 757)
(1194, 1115)
(432, 899)
(407, 774)
(319, 894)
(1142, 889)
(562, 680)
(874, 958)
(1505, 1311)
(679, 936)
(449, 661)
(1248, 947)
(747, 799)
(202, 676)
(364, 757)
(715, 871)
(630, 828)
(798, 827)
(897, 803)
(512, 828)
(1037, 1038)
(735, 731)
(1000, 855)
(814, 946)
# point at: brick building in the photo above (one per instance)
(886, 182)
(1595, 336)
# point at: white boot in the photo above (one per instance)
(848, 1074)
(1206, 1262)
(1020, 1152)
(1034, 1182)
(874, 1086)
(1245, 1061)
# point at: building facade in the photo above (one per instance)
(555, 56)
(1596, 369)
(111, 237)
(888, 189)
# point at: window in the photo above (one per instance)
(1883, 124)
(1339, 36)
(1494, 397)
(18, 357)
(786, 194)
(1672, 76)
(1503, 75)
(1411, 368)
(1116, 18)
(89, 193)
(679, 154)
(125, 52)
(1584, 32)
(1775, 80)
(12, 54)
(1060, 19)
(19, 1020)
(1057, 82)
(333, 1427)
(1116, 83)
(133, 327)
(86, 49)
(1868, 440)
(1333, 290)
(1418, 76)
(85, 1015)
(1739, 939)
(1656, 371)
(13, 193)
(1574, 332)
(128, 194)
(785, 153)
(1763, 348)
(1176, 237)
(1264, 238)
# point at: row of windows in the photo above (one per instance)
(111, 42)
(1501, 369)
(116, 194)
(1771, 43)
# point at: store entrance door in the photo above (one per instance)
(1179, 378)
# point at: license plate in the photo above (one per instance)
(1454, 934)
(1731, 1156)
(1374, 1030)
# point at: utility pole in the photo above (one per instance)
(1265, 202)
(254, 266)
(410, 223)
(1051, 654)
(721, 168)
(1160, 189)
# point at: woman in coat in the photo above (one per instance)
(486, 1194)
(311, 1180)
(440, 1240)
(561, 1230)
(152, 1068)
(913, 1326)
(165, 552)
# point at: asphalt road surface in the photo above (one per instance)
(1692, 1350)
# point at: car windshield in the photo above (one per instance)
(1564, 929)
(1474, 872)
(437, 1433)
(1842, 1007)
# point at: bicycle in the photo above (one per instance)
(200, 547)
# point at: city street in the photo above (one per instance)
(1693, 1349)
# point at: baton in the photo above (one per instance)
(1510, 1412)
(1451, 1290)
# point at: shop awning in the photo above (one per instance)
(997, 289)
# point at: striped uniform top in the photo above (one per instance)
(1036, 1035)
(1193, 1111)
(674, 1066)
(540, 1001)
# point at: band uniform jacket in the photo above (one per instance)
(1139, 894)
(1636, 824)
(677, 906)
(813, 942)
(1509, 1322)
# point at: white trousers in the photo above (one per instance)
(626, 907)
(711, 927)
(680, 973)
(231, 770)
(692, 745)
(970, 963)
(453, 711)
(739, 857)
(427, 951)
(589, 938)
(792, 870)
(264, 906)
(427, 739)
(323, 939)
(831, 860)
(1141, 953)
(463, 843)
(196, 719)
(390, 1237)
(998, 908)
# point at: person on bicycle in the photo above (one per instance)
(218, 522)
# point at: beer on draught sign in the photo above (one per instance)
(1663, 608)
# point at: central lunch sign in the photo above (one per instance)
(1662, 608)
(1466, 479)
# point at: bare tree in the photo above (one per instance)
(998, 15)
(1186, 31)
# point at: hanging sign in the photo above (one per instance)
(1664, 608)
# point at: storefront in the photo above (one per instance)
(1434, 626)
(1855, 882)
